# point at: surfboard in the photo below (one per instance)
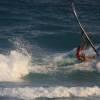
(83, 30)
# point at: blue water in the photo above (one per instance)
(38, 40)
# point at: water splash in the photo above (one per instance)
(49, 92)
(14, 66)
(19, 63)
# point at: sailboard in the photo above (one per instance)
(83, 30)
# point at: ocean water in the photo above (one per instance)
(38, 39)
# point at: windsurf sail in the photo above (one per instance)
(85, 38)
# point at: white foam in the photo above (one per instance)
(88, 66)
(43, 68)
(69, 62)
(50, 92)
(17, 64)
(14, 66)
(63, 60)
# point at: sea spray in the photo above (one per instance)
(14, 66)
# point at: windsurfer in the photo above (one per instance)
(86, 42)
(81, 55)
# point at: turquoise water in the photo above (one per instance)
(38, 40)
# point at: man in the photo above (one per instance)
(81, 55)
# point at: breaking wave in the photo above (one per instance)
(14, 66)
(49, 92)
(19, 63)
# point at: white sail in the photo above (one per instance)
(83, 30)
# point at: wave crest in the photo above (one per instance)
(14, 65)
(50, 92)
